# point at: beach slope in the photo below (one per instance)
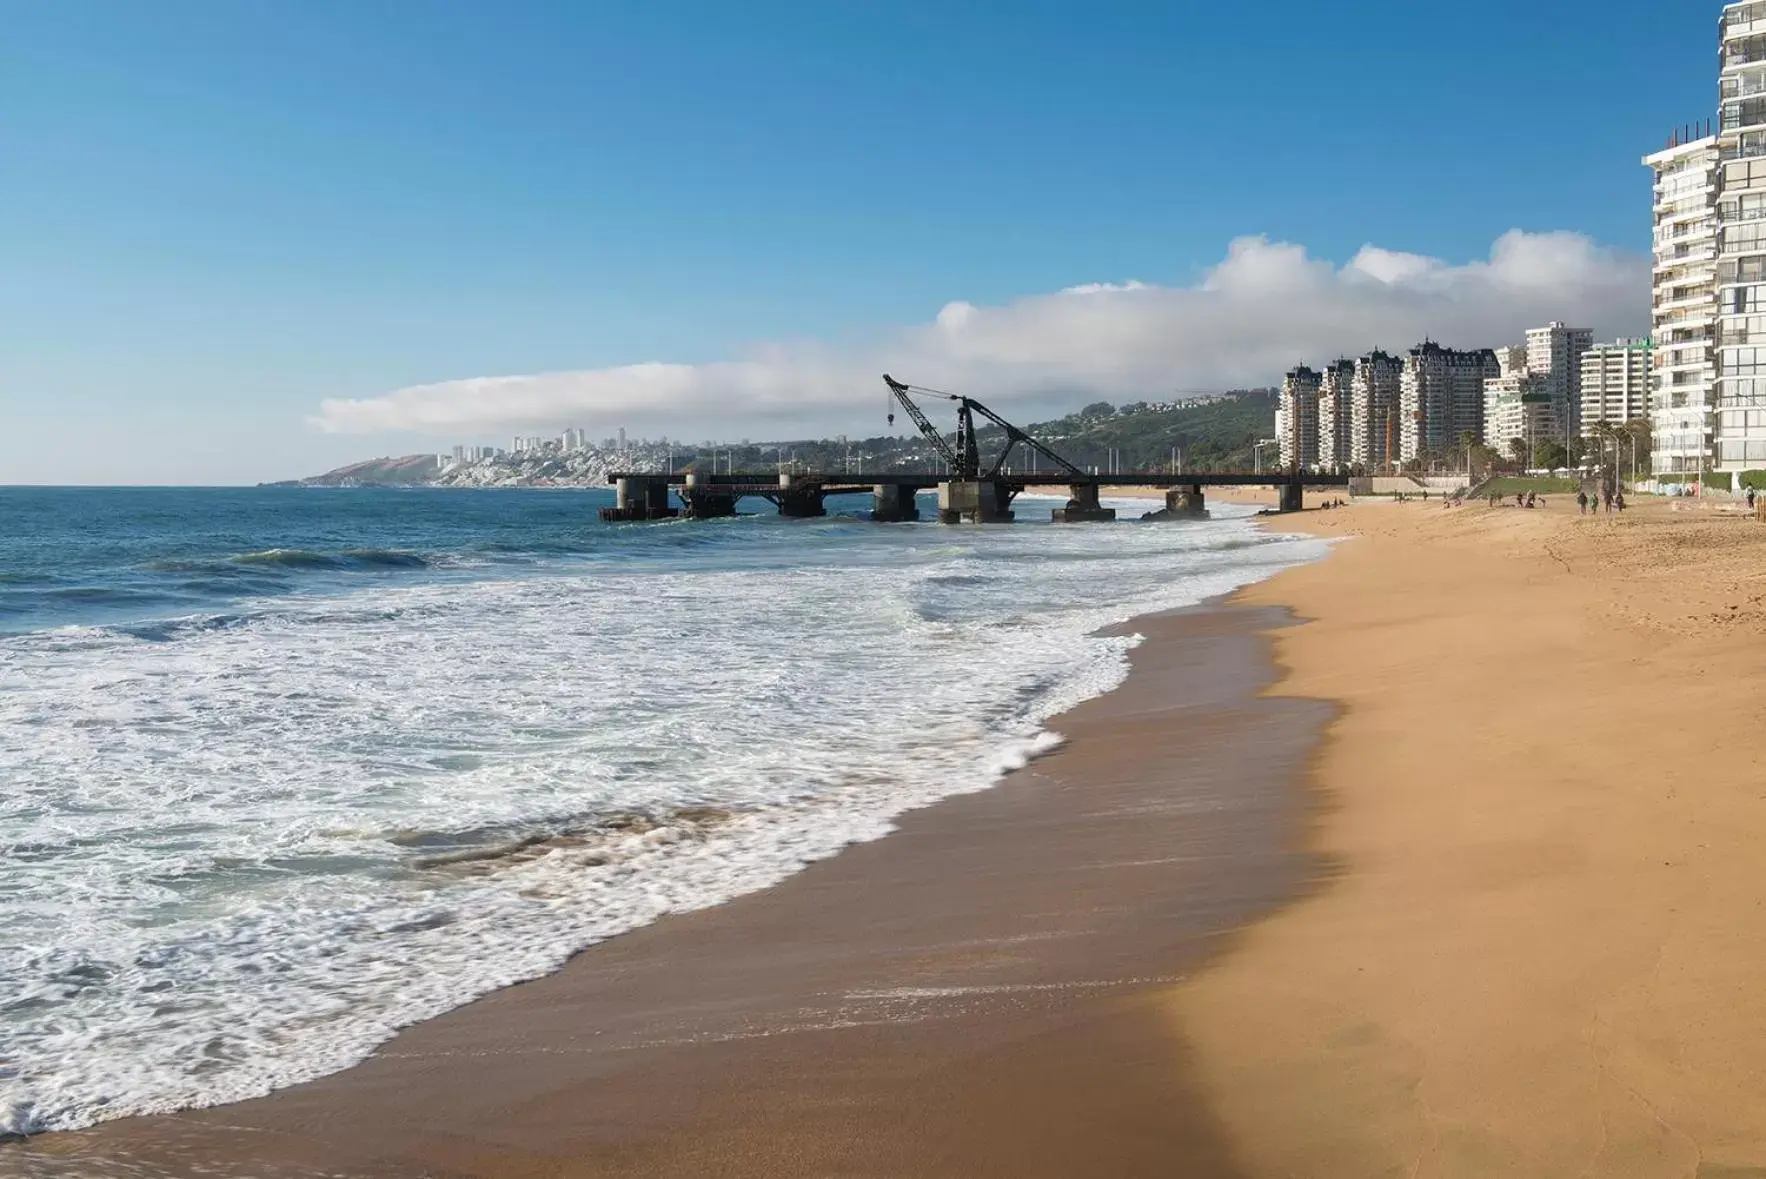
(1545, 803)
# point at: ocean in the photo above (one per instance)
(283, 770)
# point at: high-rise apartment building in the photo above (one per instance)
(1683, 317)
(1740, 433)
(1615, 384)
(1441, 398)
(1518, 406)
(1296, 418)
(1519, 409)
(1374, 392)
(1335, 416)
(1554, 354)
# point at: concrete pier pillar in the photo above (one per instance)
(1293, 496)
(800, 497)
(1082, 507)
(1182, 503)
(704, 500)
(983, 501)
(893, 503)
(1186, 501)
(640, 497)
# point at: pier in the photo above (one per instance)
(702, 496)
(972, 490)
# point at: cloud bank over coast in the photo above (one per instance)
(1263, 308)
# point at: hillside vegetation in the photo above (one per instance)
(1211, 436)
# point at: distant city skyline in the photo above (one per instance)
(250, 243)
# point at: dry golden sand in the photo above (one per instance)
(1543, 952)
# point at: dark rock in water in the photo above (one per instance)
(702, 815)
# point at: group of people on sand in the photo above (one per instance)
(1589, 505)
(1523, 499)
(1328, 504)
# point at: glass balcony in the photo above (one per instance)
(1750, 148)
(1743, 113)
(1738, 53)
(1742, 86)
(1744, 20)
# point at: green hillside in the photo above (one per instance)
(1212, 435)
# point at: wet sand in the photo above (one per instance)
(984, 992)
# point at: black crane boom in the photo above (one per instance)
(965, 457)
(1015, 435)
(902, 394)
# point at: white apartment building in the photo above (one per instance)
(1740, 433)
(1518, 406)
(1374, 391)
(1296, 418)
(1441, 398)
(1683, 323)
(1554, 354)
(1615, 384)
(1335, 416)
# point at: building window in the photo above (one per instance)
(1749, 235)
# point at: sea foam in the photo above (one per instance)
(241, 850)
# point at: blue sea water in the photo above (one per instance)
(283, 769)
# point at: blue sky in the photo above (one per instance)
(217, 216)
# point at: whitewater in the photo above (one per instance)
(282, 771)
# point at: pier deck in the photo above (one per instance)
(644, 495)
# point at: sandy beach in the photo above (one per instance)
(1545, 801)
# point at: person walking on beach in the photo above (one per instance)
(1609, 496)
(1750, 499)
(1581, 503)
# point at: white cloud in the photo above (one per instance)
(1102, 288)
(1393, 266)
(1265, 307)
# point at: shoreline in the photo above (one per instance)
(909, 980)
